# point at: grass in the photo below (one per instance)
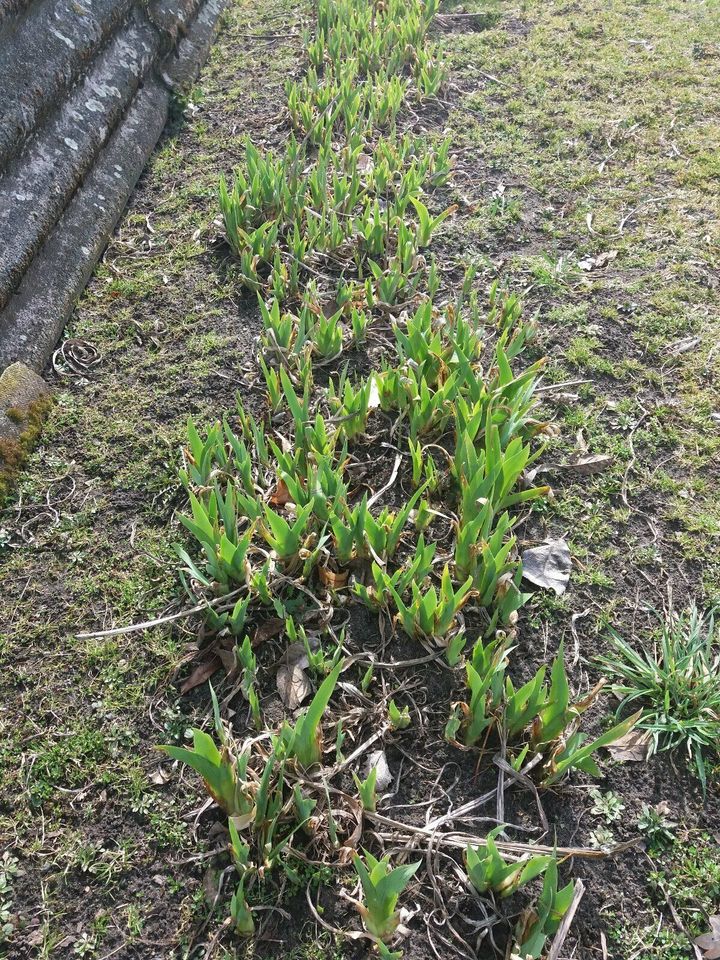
(688, 875)
(588, 125)
(79, 717)
(581, 145)
(677, 685)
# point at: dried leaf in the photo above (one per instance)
(201, 673)
(292, 685)
(596, 263)
(593, 463)
(295, 655)
(584, 465)
(634, 746)
(228, 660)
(243, 820)
(684, 345)
(566, 397)
(548, 566)
(378, 760)
(709, 943)
(333, 578)
(266, 631)
(281, 494)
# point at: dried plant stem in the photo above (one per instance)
(460, 840)
(219, 603)
(564, 928)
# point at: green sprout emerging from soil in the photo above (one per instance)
(382, 886)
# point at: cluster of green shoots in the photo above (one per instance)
(271, 499)
(488, 871)
(260, 790)
(331, 235)
(539, 717)
(266, 792)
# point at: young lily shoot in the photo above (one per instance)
(382, 886)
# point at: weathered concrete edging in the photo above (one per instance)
(88, 94)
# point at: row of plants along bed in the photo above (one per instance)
(333, 236)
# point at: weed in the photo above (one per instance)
(399, 719)
(432, 614)
(677, 682)
(658, 827)
(607, 805)
(223, 773)
(367, 790)
(488, 870)
(542, 922)
(304, 740)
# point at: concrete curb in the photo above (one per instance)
(83, 132)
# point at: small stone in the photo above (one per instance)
(20, 390)
(25, 400)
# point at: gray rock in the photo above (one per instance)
(20, 390)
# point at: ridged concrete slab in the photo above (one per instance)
(50, 48)
(38, 184)
(77, 125)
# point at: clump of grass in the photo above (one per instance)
(677, 682)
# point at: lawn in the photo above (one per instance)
(493, 273)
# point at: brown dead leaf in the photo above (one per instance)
(709, 943)
(582, 705)
(228, 660)
(684, 345)
(335, 579)
(281, 494)
(584, 466)
(598, 262)
(295, 655)
(548, 566)
(292, 684)
(592, 463)
(267, 630)
(634, 746)
(201, 673)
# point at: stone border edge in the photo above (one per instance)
(33, 320)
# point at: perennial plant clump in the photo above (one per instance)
(331, 234)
